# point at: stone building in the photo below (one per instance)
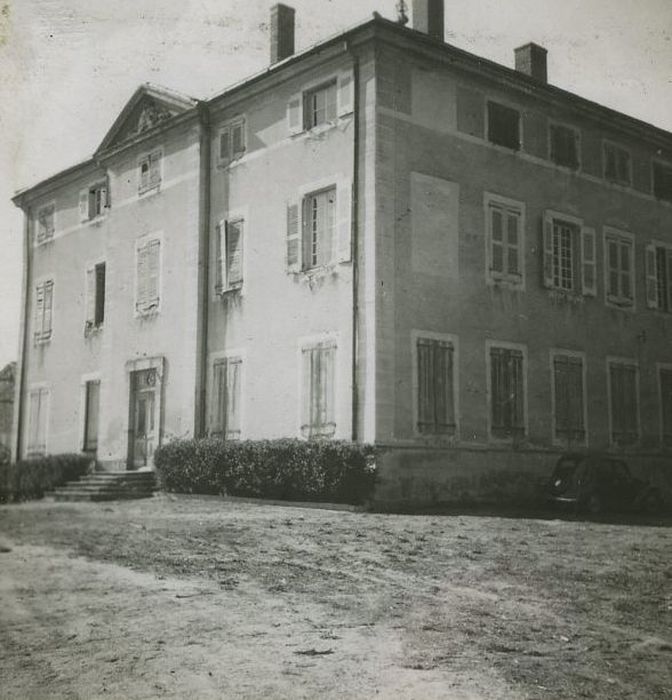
(382, 238)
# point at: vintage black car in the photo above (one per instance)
(596, 483)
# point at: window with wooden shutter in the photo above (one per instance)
(91, 410)
(320, 105)
(149, 167)
(38, 407)
(229, 256)
(624, 408)
(319, 390)
(506, 241)
(346, 93)
(319, 222)
(148, 276)
(436, 387)
(507, 386)
(232, 141)
(45, 223)
(665, 377)
(564, 146)
(617, 165)
(226, 403)
(43, 315)
(293, 239)
(95, 297)
(619, 269)
(658, 261)
(588, 262)
(569, 395)
(563, 261)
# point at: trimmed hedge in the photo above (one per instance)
(31, 478)
(291, 470)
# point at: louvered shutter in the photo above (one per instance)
(306, 390)
(155, 168)
(651, 277)
(344, 234)
(220, 243)
(293, 239)
(218, 403)
(588, 262)
(328, 388)
(225, 144)
(345, 93)
(142, 278)
(425, 385)
(107, 201)
(84, 205)
(295, 114)
(90, 295)
(238, 139)
(234, 254)
(496, 239)
(39, 312)
(547, 235)
(48, 309)
(233, 372)
(153, 274)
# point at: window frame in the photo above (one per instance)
(516, 281)
(553, 124)
(505, 345)
(140, 243)
(222, 285)
(327, 341)
(150, 187)
(657, 162)
(308, 92)
(50, 234)
(509, 106)
(607, 144)
(304, 228)
(43, 388)
(556, 439)
(630, 362)
(225, 357)
(228, 128)
(452, 340)
(577, 252)
(609, 233)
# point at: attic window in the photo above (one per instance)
(149, 172)
(232, 141)
(503, 125)
(617, 166)
(662, 181)
(319, 105)
(564, 146)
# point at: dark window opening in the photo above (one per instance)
(662, 181)
(564, 146)
(503, 126)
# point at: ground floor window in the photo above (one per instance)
(666, 405)
(91, 408)
(318, 403)
(568, 396)
(436, 392)
(38, 411)
(624, 409)
(226, 414)
(507, 393)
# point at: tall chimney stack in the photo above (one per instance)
(531, 60)
(282, 32)
(428, 17)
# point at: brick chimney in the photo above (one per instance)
(428, 17)
(531, 60)
(282, 32)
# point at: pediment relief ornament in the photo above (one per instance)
(151, 115)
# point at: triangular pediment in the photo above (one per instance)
(149, 107)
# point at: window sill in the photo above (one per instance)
(566, 296)
(42, 340)
(225, 164)
(511, 281)
(43, 241)
(622, 304)
(148, 191)
(227, 291)
(147, 313)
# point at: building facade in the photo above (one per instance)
(382, 239)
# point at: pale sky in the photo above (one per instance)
(67, 67)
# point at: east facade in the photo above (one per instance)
(381, 239)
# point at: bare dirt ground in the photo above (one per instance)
(193, 597)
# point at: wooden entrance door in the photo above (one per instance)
(143, 419)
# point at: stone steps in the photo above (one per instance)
(107, 486)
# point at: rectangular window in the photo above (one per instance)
(617, 165)
(436, 382)
(505, 241)
(38, 407)
(226, 413)
(45, 223)
(565, 243)
(44, 304)
(232, 141)
(149, 172)
(619, 254)
(503, 125)
(148, 276)
(568, 393)
(319, 223)
(229, 256)
(662, 181)
(666, 405)
(564, 146)
(95, 296)
(507, 387)
(318, 390)
(91, 408)
(320, 105)
(624, 407)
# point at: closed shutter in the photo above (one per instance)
(547, 235)
(238, 139)
(345, 93)
(141, 274)
(651, 277)
(344, 238)
(293, 239)
(33, 420)
(90, 295)
(153, 273)
(39, 312)
(48, 309)
(84, 210)
(233, 395)
(425, 385)
(220, 244)
(512, 242)
(234, 254)
(218, 404)
(91, 416)
(496, 240)
(588, 262)
(108, 193)
(306, 391)
(155, 168)
(295, 114)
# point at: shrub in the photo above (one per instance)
(30, 478)
(292, 470)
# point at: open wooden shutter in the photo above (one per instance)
(547, 236)
(84, 205)
(306, 390)
(155, 168)
(39, 311)
(345, 93)
(90, 295)
(588, 262)
(293, 239)
(48, 309)
(234, 254)
(218, 402)
(328, 387)
(107, 200)
(233, 386)
(651, 277)
(153, 273)
(142, 273)
(295, 114)
(344, 228)
(220, 243)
